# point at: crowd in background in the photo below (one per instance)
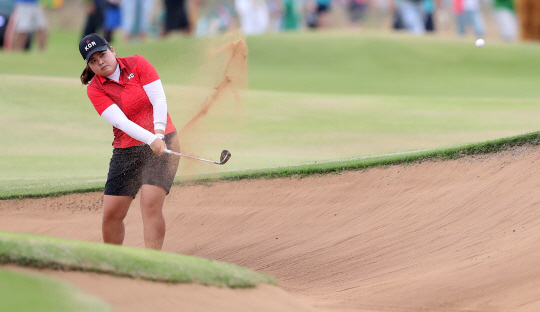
(22, 20)
(134, 18)
(415, 16)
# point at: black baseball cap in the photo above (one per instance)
(91, 44)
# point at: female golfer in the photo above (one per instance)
(128, 93)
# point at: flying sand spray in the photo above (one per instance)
(233, 76)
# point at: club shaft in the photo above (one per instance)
(188, 156)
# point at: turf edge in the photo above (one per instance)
(438, 154)
(40, 251)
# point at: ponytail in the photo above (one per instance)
(87, 75)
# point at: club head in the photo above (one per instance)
(225, 155)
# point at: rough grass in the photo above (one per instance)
(55, 253)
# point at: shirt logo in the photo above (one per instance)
(89, 45)
(131, 76)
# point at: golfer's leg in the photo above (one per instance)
(19, 40)
(42, 38)
(152, 198)
(115, 209)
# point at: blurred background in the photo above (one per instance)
(130, 20)
(326, 80)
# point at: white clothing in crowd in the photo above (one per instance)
(254, 16)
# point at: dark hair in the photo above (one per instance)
(88, 73)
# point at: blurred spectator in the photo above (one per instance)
(136, 17)
(176, 18)
(94, 16)
(6, 7)
(194, 7)
(311, 13)
(505, 19)
(468, 13)
(323, 12)
(6, 26)
(397, 21)
(275, 10)
(318, 12)
(357, 10)
(112, 18)
(292, 14)
(219, 18)
(29, 18)
(411, 14)
(253, 15)
(429, 10)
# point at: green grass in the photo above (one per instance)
(313, 97)
(55, 253)
(29, 293)
(352, 63)
(48, 187)
(449, 153)
(317, 103)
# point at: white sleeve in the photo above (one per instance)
(116, 117)
(156, 94)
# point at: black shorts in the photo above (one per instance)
(175, 15)
(132, 167)
(322, 8)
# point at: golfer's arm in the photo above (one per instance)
(156, 95)
(116, 117)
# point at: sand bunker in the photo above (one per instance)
(459, 235)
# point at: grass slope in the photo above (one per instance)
(28, 293)
(47, 252)
(324, 167)
(331, 62)
(387, 160)
(313, 97)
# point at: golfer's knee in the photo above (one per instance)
(111, 216)
(152, 211)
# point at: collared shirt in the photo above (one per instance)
(129, 95)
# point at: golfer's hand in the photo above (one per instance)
(158, 147)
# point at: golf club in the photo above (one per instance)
(225, 155)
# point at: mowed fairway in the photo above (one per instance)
(310, 97)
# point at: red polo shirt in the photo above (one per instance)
(129, 95)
